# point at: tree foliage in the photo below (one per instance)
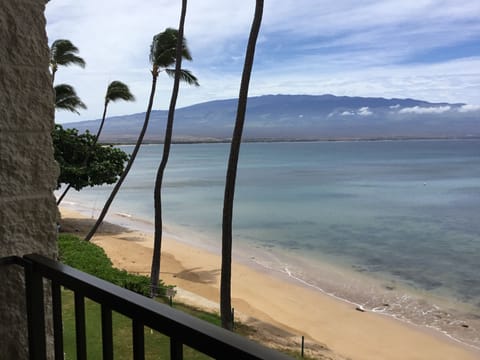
(163, 50)
(66, 98)
(83, 162)
(117, 90)
(63, 52)
(163, 55)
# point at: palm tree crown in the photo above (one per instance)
(163, 54)
(66, 98)
(117, 90)
(63, 52)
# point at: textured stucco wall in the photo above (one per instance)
(27, 169)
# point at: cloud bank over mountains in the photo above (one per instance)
(425, 110)
(397, 109)
(302, 117)
(468, 108)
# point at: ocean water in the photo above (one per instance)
(392, 226)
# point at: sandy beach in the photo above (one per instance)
(333, 329)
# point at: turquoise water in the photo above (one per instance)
(389, 225)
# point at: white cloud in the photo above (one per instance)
(364, 111)
(468, 108)
(425, 110)
(394, 106)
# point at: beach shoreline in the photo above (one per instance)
(286, 305)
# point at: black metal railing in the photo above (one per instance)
(181, 328)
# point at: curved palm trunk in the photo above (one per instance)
(94, 143)
(157, 245)
(54, 70)
(102, 122)
(226, 270)
(130, 161)
(63, 194)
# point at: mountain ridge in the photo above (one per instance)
(300, 117)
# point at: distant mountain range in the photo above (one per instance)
(300, 117)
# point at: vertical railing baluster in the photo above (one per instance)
(138, 340)
(35, 313)
(80, 329)
(57, 320)
(107, 333)
(176, 349)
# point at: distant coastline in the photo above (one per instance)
(280, 140)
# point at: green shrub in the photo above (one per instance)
(139, 284)
(92, 259)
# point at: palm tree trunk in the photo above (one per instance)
(102, 122)
(157, 245)
(86, 159)
(129, 164)
(226, 269)
(63, 194)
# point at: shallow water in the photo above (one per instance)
(390, 225)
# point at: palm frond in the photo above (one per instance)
(66, 98)
(163, 49)
(185, 76)
(117, 90)
(63, 52)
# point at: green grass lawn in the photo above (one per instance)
(157, 346)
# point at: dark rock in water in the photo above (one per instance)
(389, 287)
(358, 308)
(465, 326)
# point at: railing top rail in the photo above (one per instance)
(12, 260)
(207, 338)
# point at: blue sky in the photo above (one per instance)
(423, 49)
